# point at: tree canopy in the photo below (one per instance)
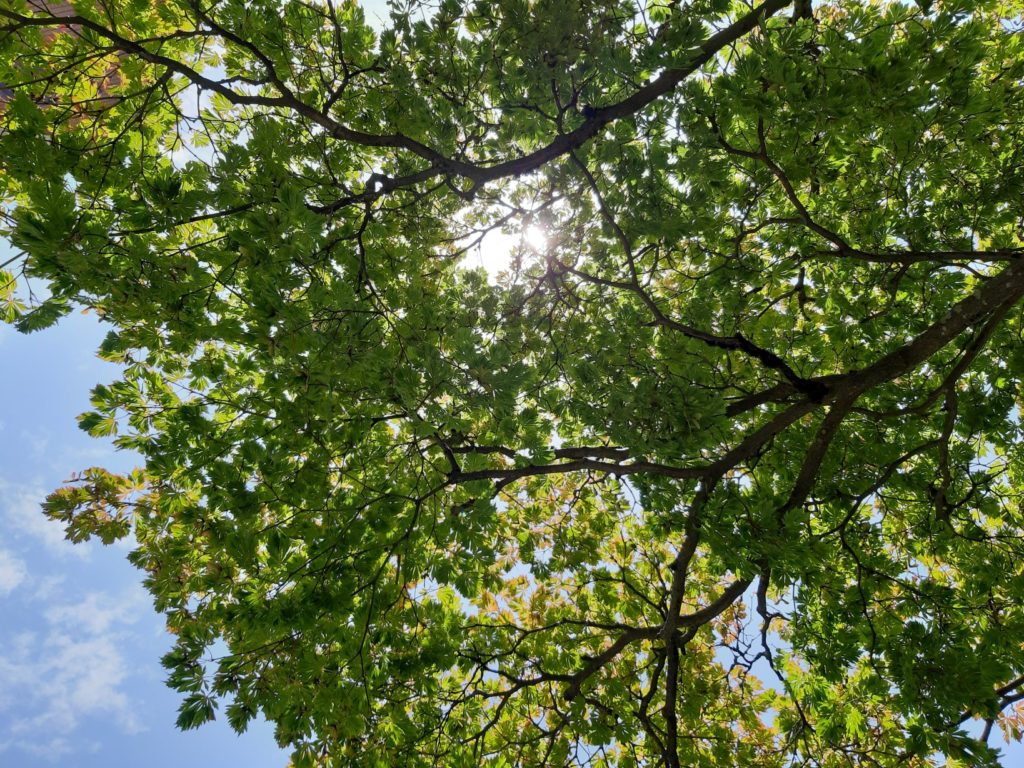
(725, 468)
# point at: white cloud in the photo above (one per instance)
(53, 682)
(99, 612)
(12, 572)
(21, 513)
(46, 587)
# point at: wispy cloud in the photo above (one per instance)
(46, 587)
(21, 516)
(12, 572)
(99, 612)
(36, 440)
(54, 681)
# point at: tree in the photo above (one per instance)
(727, 471)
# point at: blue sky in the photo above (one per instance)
(80, 678)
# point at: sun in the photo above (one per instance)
(535, 237)
(497, 250)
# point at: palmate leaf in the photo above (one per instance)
(721, 466)
(42, 316)
(195, 710)
(11, 306)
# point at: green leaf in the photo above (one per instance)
(194, 711)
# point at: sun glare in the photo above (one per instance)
(535, 237)
(497, 249)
